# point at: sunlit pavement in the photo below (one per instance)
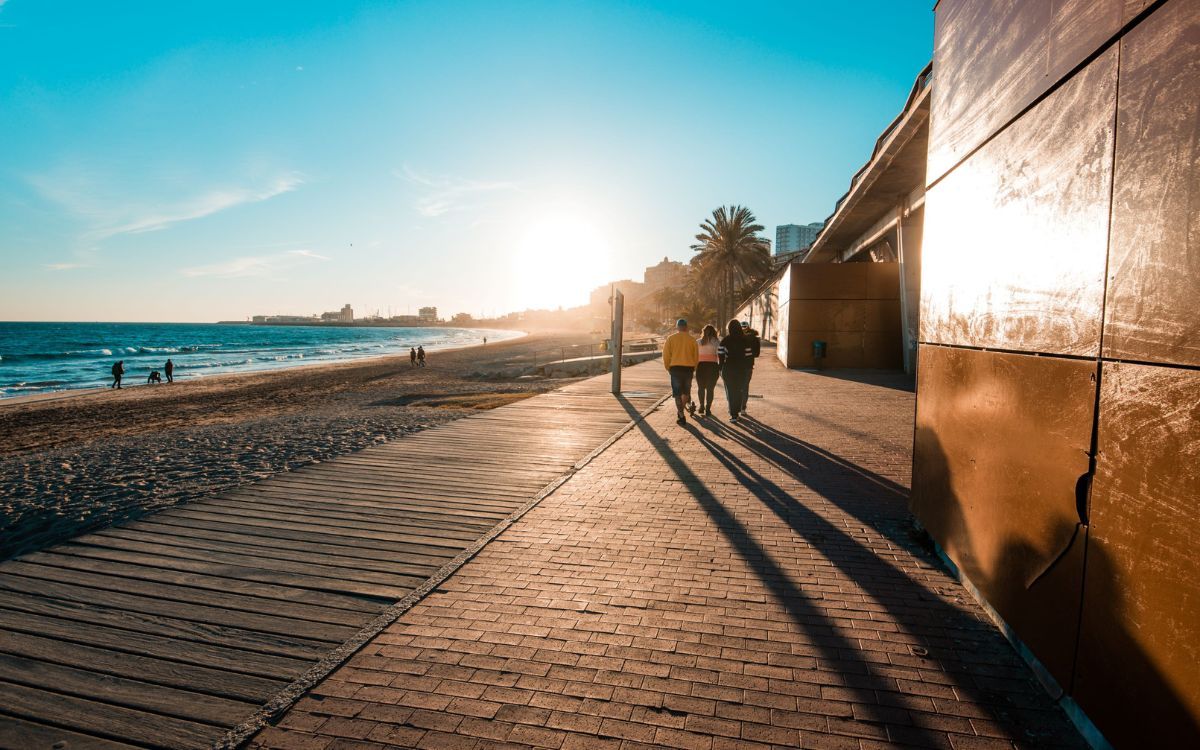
(707, 586)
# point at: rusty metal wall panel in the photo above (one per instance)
(883, 281)
(882, 316)
(986, 68)
(992, 58)
(1077, 29)
(1154, 262)
(883, 350)
(1001, 442)
(828, 315)
(843, 348)
(829, 281)
(1016, 236)
(1138, 675)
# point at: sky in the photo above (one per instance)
(197, 161)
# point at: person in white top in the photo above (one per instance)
(709, 368)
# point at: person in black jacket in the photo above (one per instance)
(737, 357)
(755, 350)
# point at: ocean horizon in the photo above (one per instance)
(43, 357)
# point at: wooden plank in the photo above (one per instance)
(319, 573)
(262, 558)
(215, 577)
(364, 509)
(106, 720)
(92, 615)
(18, 734)
(76, 571)
(297, 535)
(153, 646)
(163, 631)
(144, 696)
(182, 610)
(208, 680)
(341, 523)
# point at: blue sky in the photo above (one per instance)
(213, 160)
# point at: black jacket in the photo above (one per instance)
(738, 351)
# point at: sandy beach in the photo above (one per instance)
(70, 465)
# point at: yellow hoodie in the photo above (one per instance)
(680, 350)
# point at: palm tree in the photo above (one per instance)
(730, 254)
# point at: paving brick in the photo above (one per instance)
(709, 585)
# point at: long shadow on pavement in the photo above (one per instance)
(919, 612)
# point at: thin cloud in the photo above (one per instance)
(78, 194)
(446, 194)
(255, 265)
(59, 266)
(204, 205)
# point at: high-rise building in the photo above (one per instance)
(427, 314)
(347, 313)
(792, 237)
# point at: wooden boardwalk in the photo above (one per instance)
(168, 631)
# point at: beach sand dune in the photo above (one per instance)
(76, 464)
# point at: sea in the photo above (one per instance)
(45, 357)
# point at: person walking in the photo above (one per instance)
(680, 357)
(708, 369)
(736, 360)
(118, 370)
(755, 350)
(169, 370)
(421, 355)
(412, 357)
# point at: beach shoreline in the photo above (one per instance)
(81, 463)
(134, 380)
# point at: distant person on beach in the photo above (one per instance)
(736, 360)
(485, 340)
(118, 370)
(421, 355)
(755, 350)
(154, 377)
(169, 371)
(412, 357)
(708, 369)
(680, 357)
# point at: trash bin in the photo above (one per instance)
(818, 350)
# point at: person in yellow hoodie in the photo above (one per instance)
(680, 357)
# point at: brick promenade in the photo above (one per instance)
(709, 586)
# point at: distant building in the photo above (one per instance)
(599, 299)
(347, 314)
(792, 237)
(428, 314)
(462, 319)
(667, 274)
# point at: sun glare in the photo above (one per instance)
(559, 260)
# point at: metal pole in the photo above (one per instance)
(617, 345)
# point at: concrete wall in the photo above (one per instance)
(1057, 454)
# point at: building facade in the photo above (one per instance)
(1057, 442)
(428, 314)
(791, 238)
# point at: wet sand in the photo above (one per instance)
(70, 465)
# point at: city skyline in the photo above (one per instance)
(195, 165)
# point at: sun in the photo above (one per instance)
(559, 260)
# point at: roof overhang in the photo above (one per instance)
(891, 180)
